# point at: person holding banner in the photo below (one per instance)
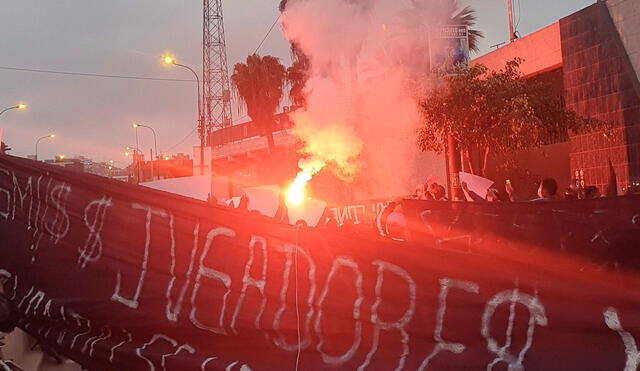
(546, 190)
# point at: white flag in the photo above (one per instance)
(476, 184)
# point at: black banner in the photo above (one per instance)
(123, 277)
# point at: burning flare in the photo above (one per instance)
(296, 192)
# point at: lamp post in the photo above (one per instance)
(50, 136)
(169, 60)
(19, 107)
(135, 156)
(134, 161)
(155, 139)
(155, 143)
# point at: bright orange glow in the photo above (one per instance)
(61, 157)
(166, 158)
(126, 154)
(52, 135)
(335, 143)
(135, 125)
(167, 59)
(21, 106)
(297, 190)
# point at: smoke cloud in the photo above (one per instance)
(369, 62)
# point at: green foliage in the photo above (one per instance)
(297, 76)
(259, 85)
(497, 111)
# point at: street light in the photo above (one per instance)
(129, 149)
(117, 163)
(155, 141)
(50, 136)
(170, 60)
(19, 107)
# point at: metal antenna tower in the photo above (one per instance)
(216, 95)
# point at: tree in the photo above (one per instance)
(298, 72)
(259, 85)
(297, 76)
(495, 111)
(466, 17)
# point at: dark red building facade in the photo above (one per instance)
(593, 57)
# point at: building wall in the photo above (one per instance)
(599, 83)
(626, 18)
(540, 51)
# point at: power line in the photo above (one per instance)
(83, 74)
(519, 14)
(181, 141)
(267, 34)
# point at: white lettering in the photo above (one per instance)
(59, 228)
(206, 272)
(441, 344)
(91, 251)
(400, 324)
(289, 251)
(5, 213)
(612, 320)
(537, 316)
(174, 311)
(357, 336)
(248, 281)
(133, 302)
(164, 356)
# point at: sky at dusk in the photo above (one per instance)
(93, 116)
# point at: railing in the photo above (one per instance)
(247, 130)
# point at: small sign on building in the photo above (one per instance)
(448, 49)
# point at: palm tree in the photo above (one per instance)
(297, 76)
(259, 85)
(466, 17)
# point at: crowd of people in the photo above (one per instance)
(547, 191)
(391, 222)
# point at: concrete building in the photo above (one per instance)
(593, 56)
(175, 166)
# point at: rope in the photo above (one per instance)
(295, 260)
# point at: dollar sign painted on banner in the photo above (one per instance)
(92, 248)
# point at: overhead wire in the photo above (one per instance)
(238, 118)
(182, 140)
(132, 77)
(87, 74)
(518, 21)
(268, 33)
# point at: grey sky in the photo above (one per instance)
(93, 116)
